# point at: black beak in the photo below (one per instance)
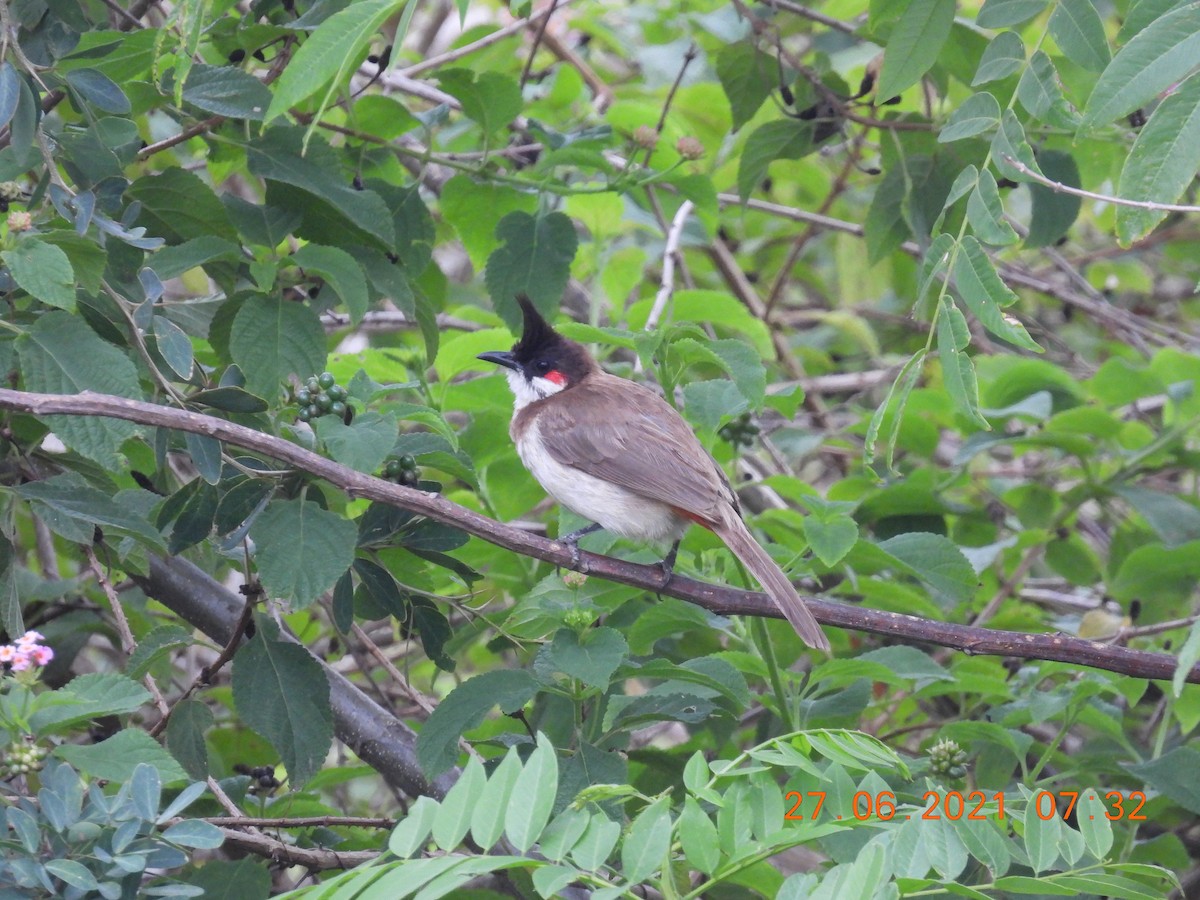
(500, 358)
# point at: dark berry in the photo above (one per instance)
(326, 380)
(303, 397)
(323, 401)
(338, 408)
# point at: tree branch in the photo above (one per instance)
(716, 598)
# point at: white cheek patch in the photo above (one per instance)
(528, 390)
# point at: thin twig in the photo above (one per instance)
(812, 15)
(1059, 188)
(670, 257)
(537, 42)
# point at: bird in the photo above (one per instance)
(616, 453)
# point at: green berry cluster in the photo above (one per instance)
(323, 396)
(948, 759)
(22, 757)
(741, 432)
(262, 778)
(402, 469)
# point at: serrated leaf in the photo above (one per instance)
(154, 646)
(592, 657)
(1078, 30)
(532, 796)
(68, 504)
(43, 271)
(1173, 775)
(534, 259)
(178, 204)
(913, 47)
(272, 339)
(748, 76)
(115, 758)
(491, 99)
(464, 708)
(474, 209)
(1004, 56)
(330, 53)
(362, 445)
(1163, 161)
(282, 693)
(226, 91)
(190, 719)
(301, 549)
(936, 561)
(710, 401)
(979, 113)
(985, 294)
(985, 212)
(1041, 94)
(87, 697)
(1150, 63)
(830, 538)
(60, 354)
(781, 139)
(958, 370)
(340, 271)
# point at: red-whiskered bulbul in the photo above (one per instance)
(620, 456)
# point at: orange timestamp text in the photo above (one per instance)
(955, 805)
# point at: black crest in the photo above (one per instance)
(537, 336)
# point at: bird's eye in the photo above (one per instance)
(542, 366)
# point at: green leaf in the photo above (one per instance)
(1041, 94)
(1145, 67)
(698, 836)
(174, 345)
(1009, 142)
(1004, 56)
(532, 796)
(1094, 825)
(592, 657)
(958, 371)
(985, 212)
(831, 537)
(341, 272)
(535, 260)
(491, 805)
(1163, 161)
(10, 92)
(464, 708)
(282, 693)
(185, 736)
(99, 90)
(1076, 27)
(66, 500)
(593, 849)
(411, 832)
(43, 271)
(1054, 212)
(1174, 520)
(272, 339)
(453, 818)
(748, 76)
(87, 697)
(301, 549)
(116, 758)
(914, 45)
(1003, 13)
(708, 402)
(936, 561)
(781, 139)
(226, 91)
(279, 156)
(154, 646)
(474, 209)
(645, 848)
(979, 113)
(331, 53)
(362, 445)
(490, 98)
(74, 874)
(177, 204)
(1173, 774)
(1041, 836)
(196, 834)
(229, 399)
(985, 294)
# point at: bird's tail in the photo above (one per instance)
(737, 537)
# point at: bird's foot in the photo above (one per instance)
(571, 542)
(667, 564)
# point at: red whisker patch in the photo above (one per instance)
(557, 377)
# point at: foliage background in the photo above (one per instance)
(922, 275)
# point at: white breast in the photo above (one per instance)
(614, 508)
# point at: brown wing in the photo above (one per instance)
(634, 438)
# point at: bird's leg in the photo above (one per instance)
(668, 565)
(572, 542)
